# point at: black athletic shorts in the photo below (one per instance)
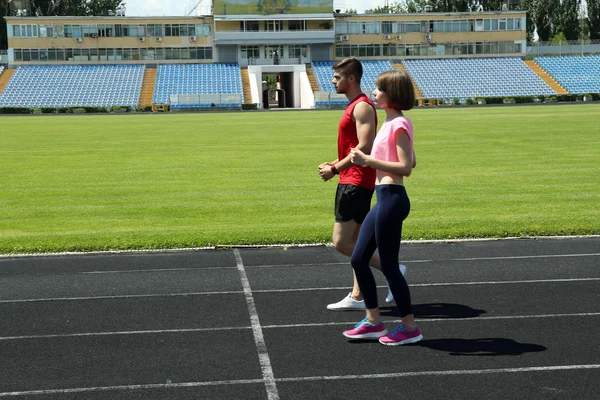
(352, 203)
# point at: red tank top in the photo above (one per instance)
(347, 138)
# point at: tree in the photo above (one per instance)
(404, 7)
(593, 20)
(4, 6)
(76, 8)
(558, 39)
(567, 19)
(350, 11)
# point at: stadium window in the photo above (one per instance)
(464, 26)
(389, 50)
(386, 27)
(487, 25)
(479, 25)
(517, 23)
(77, 31)
(191, 29)
(18, 54)
(341, 27)
(176, 53)
(297, 51)
(251, 26)
(413, 27)
(297, 25)
(502, 24)
(362, 51)
(494, 24)
(339, 51)
(167, 29)
(51, 54)
(183, 30)
(494, 47)
(118, 31)
(60, 55)
(478, 48)
(354, 27)
(26, 55)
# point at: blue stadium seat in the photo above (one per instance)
(475, 77)
(577, 74)
(197, 79)
(74, 86)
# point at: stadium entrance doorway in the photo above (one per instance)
(280, 86)
(278, 91)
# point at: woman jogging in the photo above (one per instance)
(393, 157)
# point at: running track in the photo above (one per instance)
(502, 319)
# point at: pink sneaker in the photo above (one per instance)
(366, 330)
(400, 335)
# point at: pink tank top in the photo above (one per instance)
(384, 146)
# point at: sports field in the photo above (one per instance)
(193, 180)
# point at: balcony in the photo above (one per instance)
(280, 37)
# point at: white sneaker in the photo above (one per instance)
(347, 303)
(390, 296)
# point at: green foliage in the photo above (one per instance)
(559, 38)
(593, 20)
(76, 7)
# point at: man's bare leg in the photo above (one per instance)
(345, 235)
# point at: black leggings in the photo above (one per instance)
(382, 231)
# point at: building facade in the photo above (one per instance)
(256, 39)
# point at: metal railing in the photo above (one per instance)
(569, 47)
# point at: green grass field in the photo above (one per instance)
(74, 183)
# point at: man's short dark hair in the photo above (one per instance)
(349, 66)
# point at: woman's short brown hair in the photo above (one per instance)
(399, 88)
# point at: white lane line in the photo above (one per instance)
(449, 319)
(135, 296)
(549, 368)
(443, 373)
(129, 271)
(126, 296)
(284, 326)
(259, 340)
(329, 264)
(442, 284)
(131, 387)
(436, 260)
(118, 333)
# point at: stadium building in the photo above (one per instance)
(222, 59)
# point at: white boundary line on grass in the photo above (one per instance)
(259, 340)
(548, 368)
(287, 326)
(282, 245)
(150, 295)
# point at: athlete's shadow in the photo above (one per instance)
(436, 310)
(481, 347)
